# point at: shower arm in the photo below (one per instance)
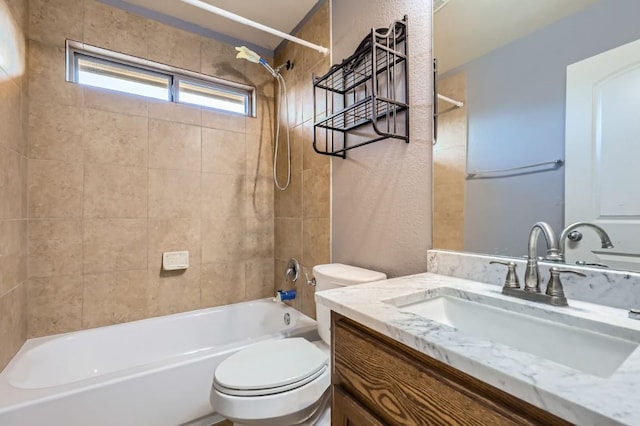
(244, 21)
(275, 72)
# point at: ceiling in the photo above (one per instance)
(282, 15)
(464, 30)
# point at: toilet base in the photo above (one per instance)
(317, 415)
(325, 416)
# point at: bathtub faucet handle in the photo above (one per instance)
(293, 270)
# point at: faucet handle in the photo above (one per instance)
(554, 287)
(567, 271)
(595, 265)
(293, 270)
(511, 281)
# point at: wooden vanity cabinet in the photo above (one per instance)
(378, 381)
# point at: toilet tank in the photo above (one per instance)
(336, 275)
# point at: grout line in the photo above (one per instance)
(201, 215)
(82, 218)
(90, 218)
(13, 288)
(26, 136)
(147, 248)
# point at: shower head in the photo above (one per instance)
(245, 53)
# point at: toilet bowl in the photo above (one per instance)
(286, 381)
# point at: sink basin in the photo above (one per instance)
(556, 336)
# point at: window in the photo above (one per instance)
(96, 72)
(212, 96)
(93, 66)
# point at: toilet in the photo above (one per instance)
(285, 381)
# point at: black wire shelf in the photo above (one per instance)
(368, 92)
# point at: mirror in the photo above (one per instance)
(499, 162)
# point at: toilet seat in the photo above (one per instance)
(271, 367)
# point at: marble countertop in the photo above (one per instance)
(576, 396)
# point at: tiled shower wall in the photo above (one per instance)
(302, 225)
(115, 180)
(13, 179)
(449, 167)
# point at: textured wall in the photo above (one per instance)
(302, 226)
(13, 179)
(115, 180)
(516, 106)
(449, 166)
(381, 194)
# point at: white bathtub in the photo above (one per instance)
(153, 372)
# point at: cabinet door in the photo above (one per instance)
(400, 386)
(346, 411)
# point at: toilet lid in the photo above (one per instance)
(271, 365)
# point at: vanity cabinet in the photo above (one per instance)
(378, 381)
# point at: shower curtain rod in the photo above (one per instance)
(237, 18)
(457, 104)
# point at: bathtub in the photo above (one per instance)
(156, 371)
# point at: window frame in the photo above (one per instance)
(75, 50)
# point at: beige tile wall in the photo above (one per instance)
(13, 180)
(115, 180)
(449, 167)
(302, 228)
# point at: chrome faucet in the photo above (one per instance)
(532, 273)
(293, 270)
(570, 233)
(554, 295)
